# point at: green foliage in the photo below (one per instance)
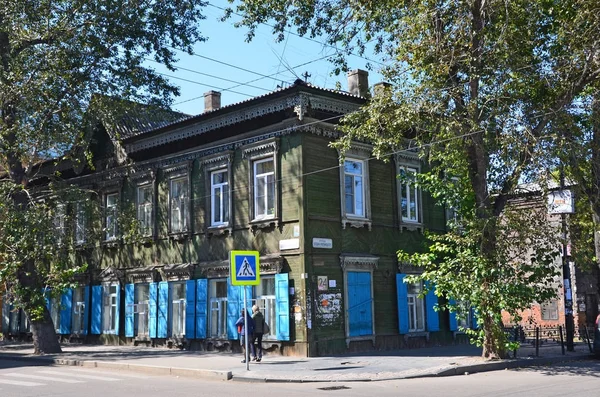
(65, 66)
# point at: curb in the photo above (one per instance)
(148, 369)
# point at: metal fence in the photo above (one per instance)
(548, 337)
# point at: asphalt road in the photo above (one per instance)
(20, 379)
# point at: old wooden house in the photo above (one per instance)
(255, 175)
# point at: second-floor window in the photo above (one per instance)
(409, 195)
(264, 188)
(59, 222)
(144, 209)
(354, 188)
(111, 216)
(219, 198)
(80, 223)
(179, 205)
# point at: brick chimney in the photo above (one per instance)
(358, 82)
(381, 87)
(212, 100)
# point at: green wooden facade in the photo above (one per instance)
(307, 235)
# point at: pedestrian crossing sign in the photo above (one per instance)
(244, 268)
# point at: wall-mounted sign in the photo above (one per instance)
(561, 202)
(322, 283)
(326, 243)
(290, 244)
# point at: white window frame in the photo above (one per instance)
(256, 178)
(223, 199)
(80, 223)
(267, 304)
(55, 306)
(217, 304)
(111, 215)
(60, 213)
(110, 309)
(177, 304)
(545, 307)
(408, 192)
(359, 153)
(358, 209)
(409, 161)
(181, 202)
(417, 303)
(145, 210)
(141, 315)
(78, 311)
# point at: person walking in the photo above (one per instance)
(259, 330)
(243, 334)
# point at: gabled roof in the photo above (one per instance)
(299, 95)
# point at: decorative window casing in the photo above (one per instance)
(359, 263)
(409, 195)
(218, 179)
(179, 198)
(263, 182)
(354, 187)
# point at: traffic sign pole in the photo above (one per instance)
(247, 355)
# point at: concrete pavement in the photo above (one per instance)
(369, 366)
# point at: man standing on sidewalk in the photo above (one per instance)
(259, 330)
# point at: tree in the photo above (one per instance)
(55, 56)
(477, 85)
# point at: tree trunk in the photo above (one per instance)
(493, 340)
(45, 340)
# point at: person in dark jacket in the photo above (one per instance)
(259, 329)
(243, 334)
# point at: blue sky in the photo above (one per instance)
(261, 57)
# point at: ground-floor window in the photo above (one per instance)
(550, 310)
(177, 309)
(264, 298)
(140, 309)
(79, 312)
(217, 296)
(416, 308)
(110, 309)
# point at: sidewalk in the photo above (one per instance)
(370, 366)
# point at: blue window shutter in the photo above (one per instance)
(282, 303)
(118, 311)
(201, 307)
(86, 309)
(66, 301)
(163, 309)
(366, 312)
(233, 309)
(402, 293)
(353, 316)
(129, 315)
(190, 309)
(433, 319)
(46, 293)
(152, 309)
(452, 316)
(96, 309)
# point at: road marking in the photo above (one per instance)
(79, 376)
(20, 383)
(37, 377)
(108, 371)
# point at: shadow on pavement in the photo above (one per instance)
(589, 368)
